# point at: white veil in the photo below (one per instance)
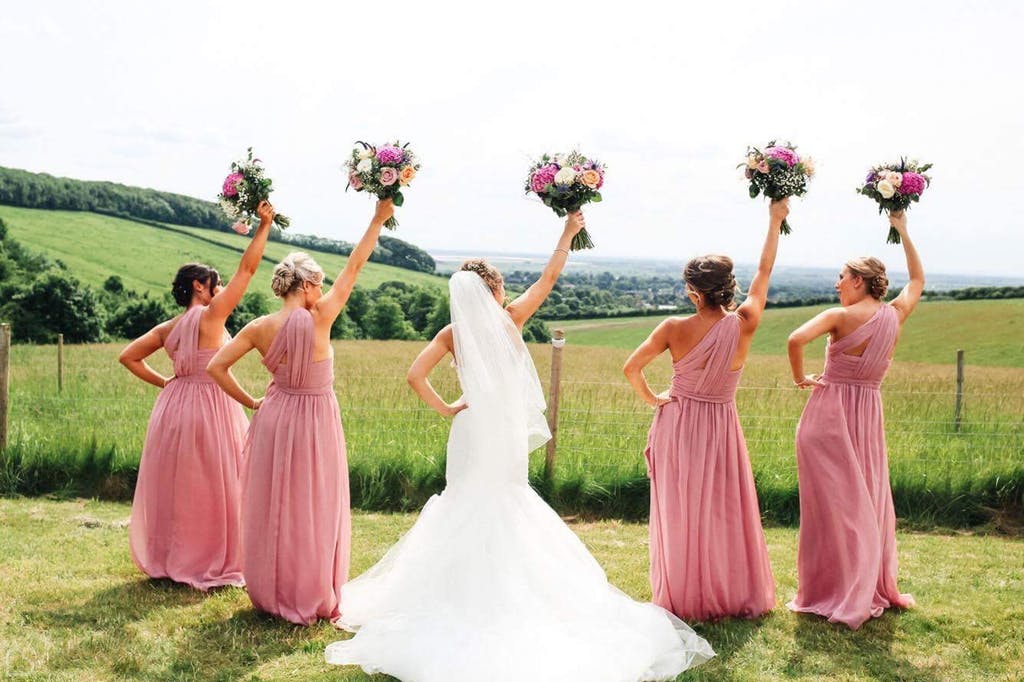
(495, 368)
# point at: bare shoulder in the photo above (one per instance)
(446, 337)
(676, 325)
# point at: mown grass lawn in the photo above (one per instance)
(73, 607)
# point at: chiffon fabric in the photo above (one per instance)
(185, 512)
(708, 554)
(296, 517)
(846, 560)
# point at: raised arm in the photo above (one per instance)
(911, 294)
(655, 345)
(425, 362)
(223, 303)
(523, 308)
(820, 324)
(330, 305)
(220, 364)
(135, 353)
(757, 296)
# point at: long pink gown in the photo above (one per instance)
(185, 514)
(296, 521)
(846, 561)
(708, 553)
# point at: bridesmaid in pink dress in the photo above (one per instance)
(846, 561)
(708, 554)
(185, 512)
(296, 522)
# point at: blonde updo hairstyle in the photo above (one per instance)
(712, 277)
(296, 268)
(488, 273)
(872, 271)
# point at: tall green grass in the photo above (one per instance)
(87, 440)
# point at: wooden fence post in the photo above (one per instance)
(60, 363)
(959, 388)
(557, 343)
(5, 381)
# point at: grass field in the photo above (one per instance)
(991, 332)
(95, 246)
(88, 438)
(73, 607)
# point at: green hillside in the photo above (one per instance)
(990, 332)
(95, 246)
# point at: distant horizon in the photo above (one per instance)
(454, 254)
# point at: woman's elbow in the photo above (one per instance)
(125, 358)
(794, 342)
(214, 367)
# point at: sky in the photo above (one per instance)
(165, 95)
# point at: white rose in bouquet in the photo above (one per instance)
(886, 189)
(364, 166)
(565, 176)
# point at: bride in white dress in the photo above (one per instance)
(490, 584)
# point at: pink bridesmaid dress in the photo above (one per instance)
(708, 553)
(185, 514)
(296, 522)
(846, 561)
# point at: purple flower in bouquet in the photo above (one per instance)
(913, 183)
(544, 176)
(388, 176)
(231, 182)
(870, 179)
(783, 154)
(390, 155)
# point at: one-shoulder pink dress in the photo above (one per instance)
(846, 561)
(708, 554)
(296, 522)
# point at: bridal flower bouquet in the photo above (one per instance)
(383, 171)
(777, 172)
(895, 186)
(243, 190)
(565, 182)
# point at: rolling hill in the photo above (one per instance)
(95, 246)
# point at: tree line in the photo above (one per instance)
(41, 190)
(40, 298)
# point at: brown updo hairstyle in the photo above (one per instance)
(712, 276)
(488, 273)
(181, 287)
(872, 271)
(296, 268)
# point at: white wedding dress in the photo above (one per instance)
(490, 584)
